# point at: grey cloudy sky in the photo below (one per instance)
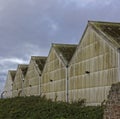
(28, 27)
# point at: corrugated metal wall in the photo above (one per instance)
(8, 87)
(17, 84)
(93, 69)
(53, 78)
(31, 82)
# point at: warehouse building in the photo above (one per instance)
(72, 72)
(33, 76)
(9, 84)
(19, 80)
(95, 65)
(55, 73)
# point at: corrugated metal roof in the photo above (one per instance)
(65, 51)
(23, 68)
(12, 73)
(40, 61)
(110, 29)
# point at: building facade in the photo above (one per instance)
(55, 72)
(73, 72)
(33, 76)
(9, 84)
(19, 80)
(95, 64)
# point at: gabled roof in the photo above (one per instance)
(109, 29)
(65, 51)
(23, 68)
(12, 73)
(40, 61)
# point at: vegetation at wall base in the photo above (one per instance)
(36, 107)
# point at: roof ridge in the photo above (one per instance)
(109, 22)
(38, 56)
(22, 64)
(55, 44)
(11, 70)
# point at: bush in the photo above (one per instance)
(41, 108)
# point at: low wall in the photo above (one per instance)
(112, 109)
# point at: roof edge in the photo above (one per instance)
(66, 63)
(38, 57)
(12, 70)
(20, 65)
(92, 21)
(57, 44)
(109, 39)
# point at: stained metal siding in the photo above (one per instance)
(17, 84)
(8, 86)
(31, 82)
(97, 57)
(53, 78)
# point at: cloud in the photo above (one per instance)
(28, 27)
(8, 64)
(86, 3)
(11, 60)
(32, 50)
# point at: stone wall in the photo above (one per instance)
(112, 110)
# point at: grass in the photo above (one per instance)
(41, 108)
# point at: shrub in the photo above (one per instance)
(41, 108)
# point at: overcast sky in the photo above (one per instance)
(28, 27)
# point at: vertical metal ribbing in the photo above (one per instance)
(119, 64)
(39, 84)
(39, 78)
(23, 94)
(67, 94)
